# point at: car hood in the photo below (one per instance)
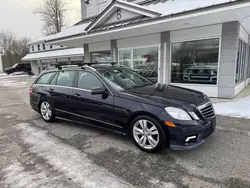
(8, 68)
(168, 94)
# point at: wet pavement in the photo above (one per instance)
(65, 154)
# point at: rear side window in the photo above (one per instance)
(66, 78)
(44, 79)
(87, 80)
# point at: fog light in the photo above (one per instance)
(170, 124)
(190, 138)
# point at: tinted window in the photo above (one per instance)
(44, 79)
(123, 78)
(20, 65)
(66, 78)
(195, 61)
(88, 81)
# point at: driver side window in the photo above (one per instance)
(89, 81)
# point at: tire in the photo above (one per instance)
(151, 138)
(46, 111)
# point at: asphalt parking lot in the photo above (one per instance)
(64, 154)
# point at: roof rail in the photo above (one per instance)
(83, 65)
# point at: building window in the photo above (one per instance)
(142, 60)
(195, 61)
(241, 61)
(51, 47)
(44, 47)
(38, 47)
(32, 48)
(145, 62)
(101, 57)
(125, 58)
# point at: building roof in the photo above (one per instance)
(69, 52)
(179, 6)
(164, 9)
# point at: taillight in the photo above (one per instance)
(30, 91)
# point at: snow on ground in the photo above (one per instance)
(17, 176)
(239, 108)
(14, 75)
(12, 83)
(64, 158)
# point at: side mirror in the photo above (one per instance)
(98, 91)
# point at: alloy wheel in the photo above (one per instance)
(46, 110)
(146, 134)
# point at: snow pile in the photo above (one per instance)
(14, 75)
(239, 108)
(12, 83)
(67, 160)
(3, 75)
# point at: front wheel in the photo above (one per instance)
(148, 134)
(46, 111)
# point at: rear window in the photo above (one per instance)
(44, 79)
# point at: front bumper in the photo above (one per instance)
(179, 136)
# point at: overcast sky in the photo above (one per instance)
(18, 17)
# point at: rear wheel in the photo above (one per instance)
(148, 134)
(46, 111)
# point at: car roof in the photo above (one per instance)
(86, 67)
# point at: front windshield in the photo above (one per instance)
(122, 78)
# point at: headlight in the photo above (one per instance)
(178, 113)
(193, 114)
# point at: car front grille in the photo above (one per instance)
(207, 110)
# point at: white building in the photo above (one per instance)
(42, 55)
(202, 45)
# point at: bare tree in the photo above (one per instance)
(53, 15)
(13, 49)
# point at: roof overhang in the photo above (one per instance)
(62, 53)
(233, 11)
(118, 4)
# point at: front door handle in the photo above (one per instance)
(51, 89)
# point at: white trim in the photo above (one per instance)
(193, 84)
(134, 9)
(239, 88)
(159, 64)
(165, 63)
